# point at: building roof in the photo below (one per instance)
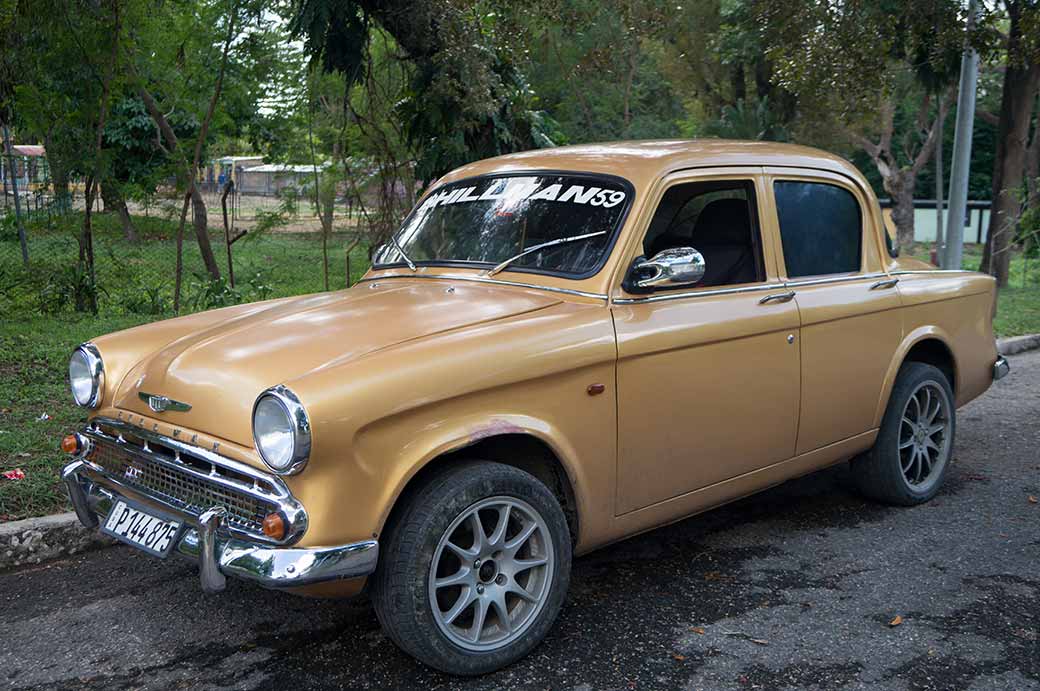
(282, 168)
(33, 150)
(236, 159)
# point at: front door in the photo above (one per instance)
(708, 375)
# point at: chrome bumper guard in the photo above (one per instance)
(1001, 368)
(205, 538)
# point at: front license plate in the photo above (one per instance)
(141, 529)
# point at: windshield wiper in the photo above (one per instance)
(407, 259)
(542, 246)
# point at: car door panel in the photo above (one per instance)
(707, 390)
(848, 334)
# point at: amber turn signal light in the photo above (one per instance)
(70, 443)
(274, 526)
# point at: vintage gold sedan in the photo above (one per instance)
(557, 350)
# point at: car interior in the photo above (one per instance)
(716, 219)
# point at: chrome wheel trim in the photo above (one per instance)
(924, 436)
(486, 594)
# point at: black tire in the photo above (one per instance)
(880, 473)
(401, 584)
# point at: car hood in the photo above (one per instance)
(219, 369)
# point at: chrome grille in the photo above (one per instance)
(180, 488)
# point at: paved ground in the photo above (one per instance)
(793, 588)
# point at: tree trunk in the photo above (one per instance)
(1033, 170)
(59, 175)
(901, 186)
(199, 215)
(1021, 81)
(114, 201)
(200, 221)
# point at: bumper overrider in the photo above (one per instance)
(219, 502)
(1001, 368)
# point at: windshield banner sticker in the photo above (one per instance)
(519, 189)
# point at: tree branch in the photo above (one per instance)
(988, 117)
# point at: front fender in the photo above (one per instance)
(433, 443)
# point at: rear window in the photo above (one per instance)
(820, 228)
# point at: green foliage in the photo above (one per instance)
(748, 121)
(67, 288)
(8, 227)
(146, 299)
(205, 293)
(139, 164)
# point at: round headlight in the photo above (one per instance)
(86, 375)
(281, 430)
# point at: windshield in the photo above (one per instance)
(492, 219)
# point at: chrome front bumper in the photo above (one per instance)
(1001, 368)
(205, 539)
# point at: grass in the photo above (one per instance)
(35, 346)
(1018, 305)
(39, 327)
(34, 353)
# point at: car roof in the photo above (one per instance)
(643, 161)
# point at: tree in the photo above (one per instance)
(189, 167)
(139, 163)
(596, 66)
(859, 67)
(466, 99)
(1019, 93)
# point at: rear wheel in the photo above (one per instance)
(475, 570)
(912, 453)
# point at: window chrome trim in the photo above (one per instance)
(265, 487)
(750, 289)
(909, 272)
(835, 279)
(699, 293)
(492, 281)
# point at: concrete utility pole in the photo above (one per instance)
(962, 150)
(940, 241)
(12, 172)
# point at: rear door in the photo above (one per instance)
(850, 323)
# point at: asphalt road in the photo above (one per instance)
(795, 587)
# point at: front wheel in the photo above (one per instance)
(475, 570)
(912, 453)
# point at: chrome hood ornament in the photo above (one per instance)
(160, 404)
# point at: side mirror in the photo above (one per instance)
(671, 268)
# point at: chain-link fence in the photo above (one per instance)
(282, 252)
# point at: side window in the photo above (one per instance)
(820, 227)
(717, 219)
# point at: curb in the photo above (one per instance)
(1018, 344)
(33, 540)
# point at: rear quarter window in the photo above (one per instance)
(821, 228)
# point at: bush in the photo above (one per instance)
(145, 299)
(69, 287)
(8, 227)
(206, 293)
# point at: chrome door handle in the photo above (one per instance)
(777, 297)
(887, 283)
